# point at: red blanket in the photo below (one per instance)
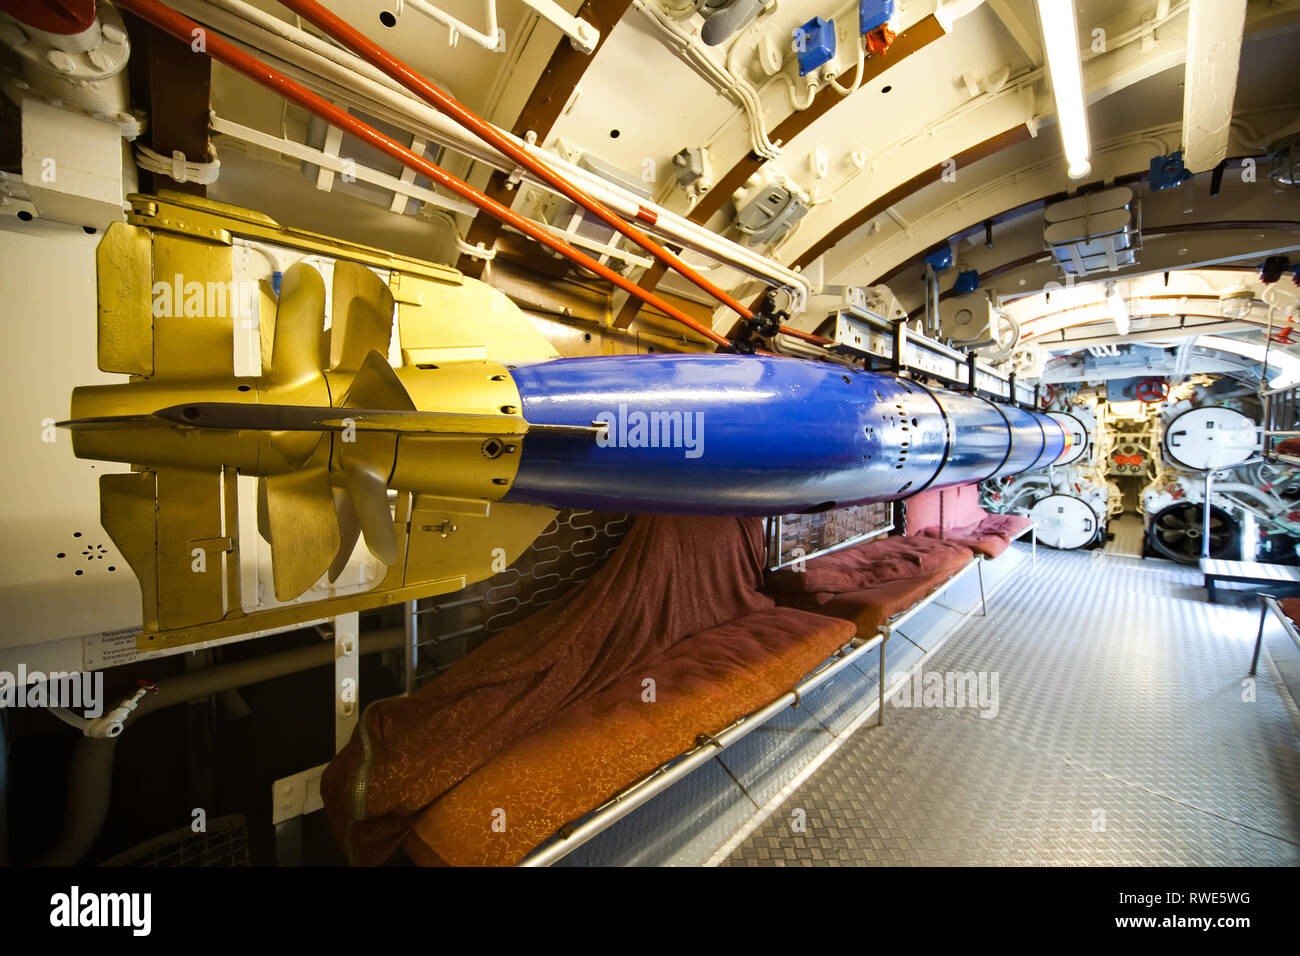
(670, 578)
(879, 563)
(596, 748)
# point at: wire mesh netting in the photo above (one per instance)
(224, 842)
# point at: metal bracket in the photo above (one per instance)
(347, 673)
(296, 795)
(581, 34)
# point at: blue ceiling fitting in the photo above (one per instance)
(814, 42)
(1168, 171)
(874, 13)
(940, 259)
(968, 280)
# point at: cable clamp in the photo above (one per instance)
(177, 167)
(478, 251)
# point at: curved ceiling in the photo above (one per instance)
(950, 134)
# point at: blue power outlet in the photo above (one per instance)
(814, 42)
(968, 281)
(940, 259)
(874, 13)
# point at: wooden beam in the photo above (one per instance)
(176, 84)
(1025, 35)
(553, 90)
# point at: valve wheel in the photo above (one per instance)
(1152, 390)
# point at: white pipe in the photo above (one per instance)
(862, 62)
(792, 86)
(1272, 502)
(71, 719)
(349, 79)
(237, 10)
(491, 38)
(680, 229)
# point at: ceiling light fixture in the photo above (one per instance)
(1061, 41)
(1236, 302)
(1118, 308)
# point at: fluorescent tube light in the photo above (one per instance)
(1286, 365)
(1061, 41)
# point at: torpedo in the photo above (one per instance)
(328, 441)
(785, 435)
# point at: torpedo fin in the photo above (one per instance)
(362, 315)
(263, 516)
(299, 326)
(304, 529)
(376, 385)
(349, 531)
(368, 461)
(368, 489)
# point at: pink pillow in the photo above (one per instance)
(922, 511)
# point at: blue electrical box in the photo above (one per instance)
(940, 259)
(1168, 171)
(814, 42)
(967, 281)
(874, 13)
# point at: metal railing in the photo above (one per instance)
(1281, 420)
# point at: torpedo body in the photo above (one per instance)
(758, 435)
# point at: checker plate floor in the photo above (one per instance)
(1122, 732)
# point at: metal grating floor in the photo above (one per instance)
(1121, 737)
(1128, 530)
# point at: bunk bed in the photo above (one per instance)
(954, 514)
(678, 646)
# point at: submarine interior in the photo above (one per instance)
(703, 433)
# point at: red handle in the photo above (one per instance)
(1152, 390)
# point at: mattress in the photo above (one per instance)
(594, 749)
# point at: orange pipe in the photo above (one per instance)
(806, 336)
(183, 28)
(360, 44)
(395, 68)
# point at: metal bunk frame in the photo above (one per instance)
(773, 536)
(1268, 603)
(1281, 420)
(708, 746)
